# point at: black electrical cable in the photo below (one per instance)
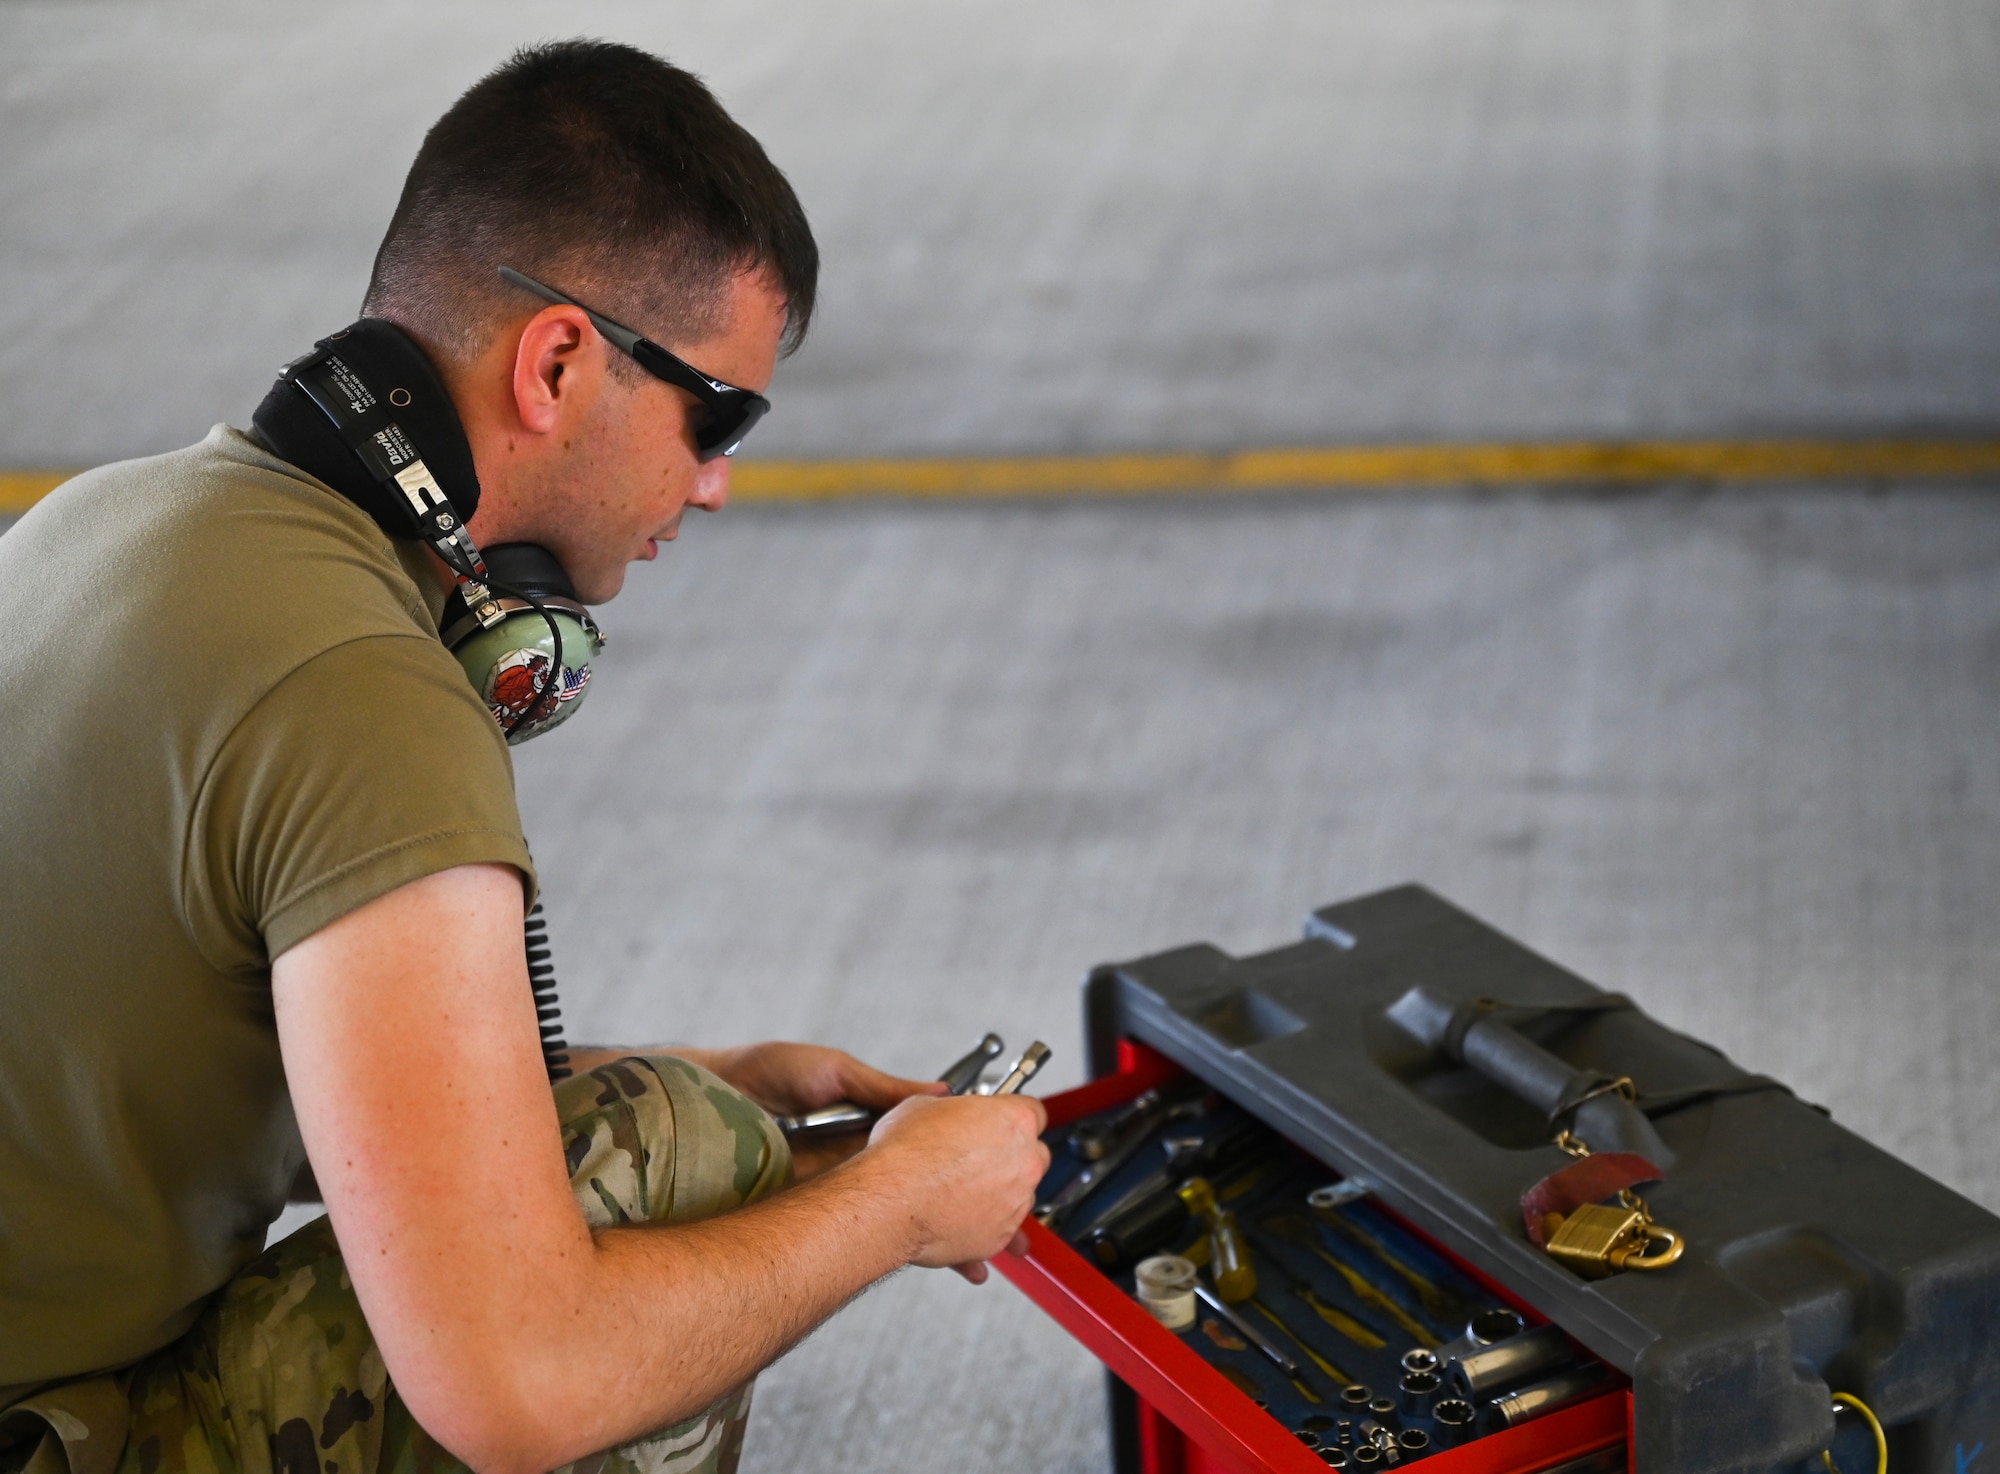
(542, 982)
(535, 929)
(551, 689)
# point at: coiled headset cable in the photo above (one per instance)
(542, 981)
(549, 694)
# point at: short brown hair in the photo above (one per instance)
(604, 171)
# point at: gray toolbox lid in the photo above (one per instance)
(1815, 1262)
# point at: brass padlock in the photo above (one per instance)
(1598, 1241)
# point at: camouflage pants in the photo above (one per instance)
(281, 1376)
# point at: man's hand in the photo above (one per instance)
(978, 1160)
(789, 1080)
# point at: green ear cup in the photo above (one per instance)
(512, 664)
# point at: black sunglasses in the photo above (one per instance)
(728, 412)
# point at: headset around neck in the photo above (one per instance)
(353, 413)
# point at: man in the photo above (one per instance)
(265, 881)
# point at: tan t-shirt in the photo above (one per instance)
(225, 721)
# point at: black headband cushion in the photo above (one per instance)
(529, 568)
(401, 376)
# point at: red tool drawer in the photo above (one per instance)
(1190, 1419)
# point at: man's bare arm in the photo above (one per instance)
(516, 1337)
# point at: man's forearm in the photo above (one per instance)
(516, 1336)
(696, 1309)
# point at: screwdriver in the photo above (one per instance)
(1229, 1259)
(1246, 1330)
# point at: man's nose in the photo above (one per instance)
(711, 485)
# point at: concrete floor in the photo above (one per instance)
(1138, 223)
(890, 776)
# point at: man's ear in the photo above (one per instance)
(555, 367)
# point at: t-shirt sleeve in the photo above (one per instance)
(371, 765)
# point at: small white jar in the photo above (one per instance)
(1166, 1289)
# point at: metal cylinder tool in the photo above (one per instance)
(1480, 1375)
(1530, 1402)
(1024, 1069)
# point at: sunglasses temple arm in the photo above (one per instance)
(619, 336)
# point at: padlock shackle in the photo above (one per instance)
(1657, 1259)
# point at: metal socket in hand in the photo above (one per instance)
(1479, 1376)
(1025, 1068)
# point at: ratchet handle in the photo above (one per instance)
(833, 1120)
(964, 1073)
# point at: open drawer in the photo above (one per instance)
(1174, 1411)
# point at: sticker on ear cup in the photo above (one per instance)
(520, 681)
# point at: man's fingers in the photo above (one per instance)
(976, 1272)
(866, 1085)
(1041, 1113)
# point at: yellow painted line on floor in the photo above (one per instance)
(1356, 467)
(1369, 466)
(20, 490)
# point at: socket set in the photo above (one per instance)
(1365, 1343)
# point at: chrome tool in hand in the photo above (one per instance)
(846, 1116)
(1025, 1068)
(964, 1074)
